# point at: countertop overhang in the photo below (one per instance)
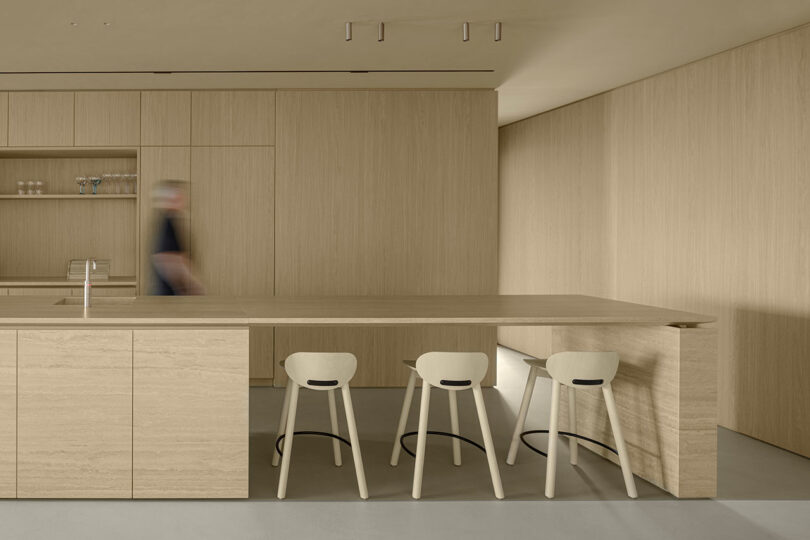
(482, 310)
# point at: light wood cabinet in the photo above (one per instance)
(381, 193)
(40, 118)
(108, 118)
(190, 432)
(233, 118)
(3, 118)
(8, 414)
(157, 164)
(166, 118)
(39, 291)
(232, 231)
(74, 417)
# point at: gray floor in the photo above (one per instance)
(764, 492)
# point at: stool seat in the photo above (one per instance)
(321, 372)
(572, 370)
(538, 363)
(454, 372)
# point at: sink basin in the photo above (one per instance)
(98, 301)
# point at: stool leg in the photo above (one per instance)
(553, 428)
(403, 418)
(521, 419)
(288, 441)
(419, 464)
(492, 459)
(624, 459)
(572, 423)
(454, 427)
(355, 440)
(335, 430)
(282, 423)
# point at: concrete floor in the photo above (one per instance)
(764, 492)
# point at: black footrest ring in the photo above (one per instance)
(567, 434)
(443, 434)
(320, 433)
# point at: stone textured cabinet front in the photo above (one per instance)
(74, 414)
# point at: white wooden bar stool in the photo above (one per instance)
(573, 370)
(318, 371)
(451, 371)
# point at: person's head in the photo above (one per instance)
(170, 195)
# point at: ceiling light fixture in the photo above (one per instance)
(465, 32)
(348, 31)
(107, 24)
(381, 32)
(497, 31)
(74, 24)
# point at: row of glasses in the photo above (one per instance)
(34, 187)
(118, 184)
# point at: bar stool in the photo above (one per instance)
(573, 370)
(451, 371)
(318, 371)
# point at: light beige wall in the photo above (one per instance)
(706, 177)
(386, 192)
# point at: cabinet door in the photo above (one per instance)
(233, 118)
(190, 435)
(3, 118)
(74, 414)
(8, 414)
(232, 231)
(40, 119)
(165, 118)
(108, 118)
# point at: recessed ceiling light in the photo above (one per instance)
(107, 24)
(74, 23)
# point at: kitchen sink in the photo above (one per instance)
(97, 301)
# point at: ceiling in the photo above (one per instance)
(553, 52)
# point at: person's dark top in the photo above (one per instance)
(166, 241)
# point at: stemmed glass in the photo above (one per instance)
(95, 180)
(81, 181)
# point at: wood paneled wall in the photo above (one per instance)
(706, 176)
(385, 192)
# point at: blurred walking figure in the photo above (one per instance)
(172, 272)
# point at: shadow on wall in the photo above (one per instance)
(769, 376)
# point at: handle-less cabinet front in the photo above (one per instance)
(8, 414)
(74, 414)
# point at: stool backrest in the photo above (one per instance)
(583, 368)
(321, 370)
(452, 370)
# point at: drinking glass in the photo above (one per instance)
(20, 187)
(95, 180)
(81, 181)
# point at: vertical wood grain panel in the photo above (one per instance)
(190, 434)
(8, 414)
(554, 204)
(233, 118)
(3, 118)
(108, 118)
(386, 192)
(74, 414)
(40, 119)
(166, 118)
(707, 181)
(232, 212)
(167, 163)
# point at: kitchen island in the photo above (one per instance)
(148, 397)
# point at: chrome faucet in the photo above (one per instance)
(87, 284)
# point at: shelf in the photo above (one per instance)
(67, 152)
(78, 197)
(27, 281)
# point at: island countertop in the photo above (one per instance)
(488, 310)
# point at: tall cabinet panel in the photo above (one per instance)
(386, 193)
(108, 118)
(40, 119)
(74, 414)
(232, 230)
(8, 414)
(233, 118)
(166, 118)
(3, 118)
(158, 163)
